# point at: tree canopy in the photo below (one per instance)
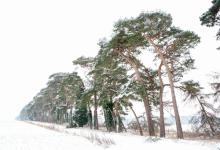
(117, 77)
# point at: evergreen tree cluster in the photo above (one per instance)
(59, 102)
(117, 77)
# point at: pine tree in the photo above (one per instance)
(192, 91)
(80, 115)
(168, 43)
(111, 77)
(92, 89)
(211, 17)
(125, 46)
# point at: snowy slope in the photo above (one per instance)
(23, 136)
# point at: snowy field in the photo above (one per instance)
(17, 135)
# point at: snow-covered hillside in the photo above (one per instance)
(23, 136)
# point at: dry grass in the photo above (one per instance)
(92, 137)
(100, 140)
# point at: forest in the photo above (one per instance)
(117, 78)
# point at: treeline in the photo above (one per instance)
(117, 77)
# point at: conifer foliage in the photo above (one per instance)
(116, 77)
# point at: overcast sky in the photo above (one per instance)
(42, 37)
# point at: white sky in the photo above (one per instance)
(42, 37)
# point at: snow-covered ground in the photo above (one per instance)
(24, 136)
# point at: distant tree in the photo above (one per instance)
(26, 112)
(67, 89)
(52, 102)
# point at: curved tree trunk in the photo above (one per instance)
(170, 77)
(162, 125)
(145, 99)
(137, 120)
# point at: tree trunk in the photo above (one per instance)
(170, 77)
(145, 99)
(106, 119)
(175, 107)
(112, 115)
(118, 122)
(71, 116)
(122, 126)
(137, 120)
(146, 105)
(162, 125)
(67, 117)
(117, 117)
(96, 125)
(90, 118)
(149, 117)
